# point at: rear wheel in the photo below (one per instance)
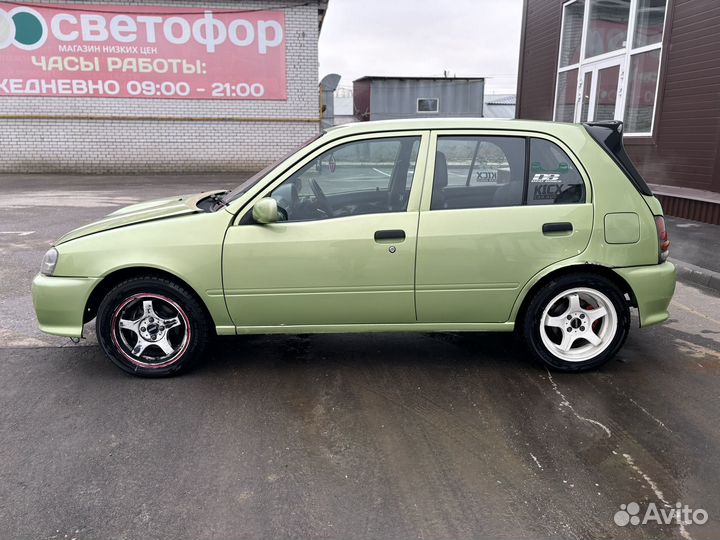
(576, 322)
(151, 327)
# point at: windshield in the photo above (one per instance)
(250, 182)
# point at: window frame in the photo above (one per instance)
(623, 55)
(435, 99)
(244, 214)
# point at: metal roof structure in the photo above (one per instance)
(499, 106)
(506, 99)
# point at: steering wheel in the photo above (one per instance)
(321, 198)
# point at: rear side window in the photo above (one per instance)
(478, 172)
(553, 177)
(490, 172)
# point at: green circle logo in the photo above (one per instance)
(23, 27)
(28, 28)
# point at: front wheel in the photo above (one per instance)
(151, 327)
(576, 322)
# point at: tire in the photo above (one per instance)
(152, 327)
(576, 322)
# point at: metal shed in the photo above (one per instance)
(383, 98)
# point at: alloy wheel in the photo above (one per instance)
(578, 324)
(150, 330)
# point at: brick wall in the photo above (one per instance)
(235, 142)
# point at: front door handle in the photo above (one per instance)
(390, 235)
(563, 227)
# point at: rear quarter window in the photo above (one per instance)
(552, 176)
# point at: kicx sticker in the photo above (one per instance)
(549, 192)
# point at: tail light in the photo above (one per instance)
(663, 241)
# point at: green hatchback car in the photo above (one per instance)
(395, 226)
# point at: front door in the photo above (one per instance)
(493, 218)
(344, 253)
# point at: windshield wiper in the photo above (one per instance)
(217, 199)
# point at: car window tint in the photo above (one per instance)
(360, 177)
(478, 172)
(553, 177)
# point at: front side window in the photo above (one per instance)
(361, 177)
(609, 62)
(553, 178)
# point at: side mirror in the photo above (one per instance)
(266, 211)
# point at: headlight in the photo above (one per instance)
(49, 262)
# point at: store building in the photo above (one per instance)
(142, 86)
(385, 98)
(655, 65)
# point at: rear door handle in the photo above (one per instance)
(390, 235)
(563, 227)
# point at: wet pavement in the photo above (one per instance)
(341, 436)
(695, 243)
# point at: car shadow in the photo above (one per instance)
(416, 350)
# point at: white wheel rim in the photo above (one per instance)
(578, 324)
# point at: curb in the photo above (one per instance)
(697, 275)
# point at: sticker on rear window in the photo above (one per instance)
(546, 179)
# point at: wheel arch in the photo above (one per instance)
(122, 274)
(521, 304)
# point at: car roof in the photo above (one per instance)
(450, 123)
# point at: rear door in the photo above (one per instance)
(500, 207)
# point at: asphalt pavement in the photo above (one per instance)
(695, 243)
(341, 436)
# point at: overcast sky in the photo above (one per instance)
(469, 38)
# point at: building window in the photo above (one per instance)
(649, 22)
(566, 91)
(572, 33)
(609, 62)
(640, 99)
(607, 27)
(428, 105)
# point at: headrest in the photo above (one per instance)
(441, 171)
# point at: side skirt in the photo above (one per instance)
(366, 328)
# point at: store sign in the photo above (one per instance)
(141, 52)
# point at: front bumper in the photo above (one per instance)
(653, 287)
(60, 303)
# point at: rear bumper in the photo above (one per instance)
(60, 303)
(653, 287)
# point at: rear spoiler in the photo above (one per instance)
(609, 135)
